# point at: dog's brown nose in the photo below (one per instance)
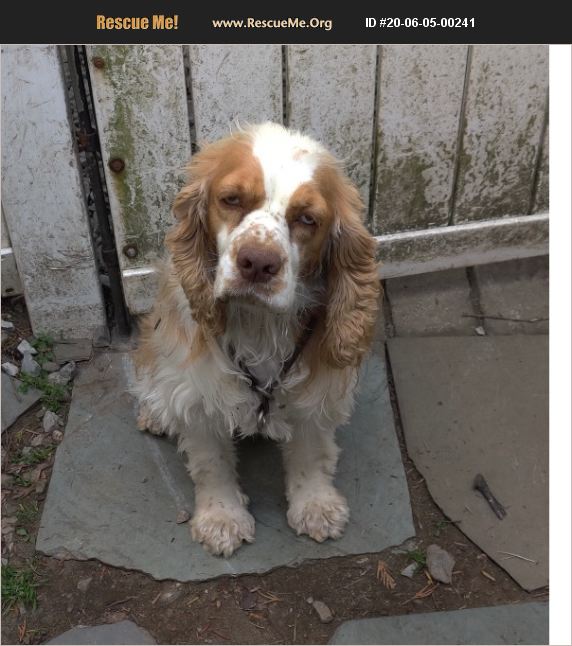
(258, 265)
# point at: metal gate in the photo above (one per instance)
(447, 144)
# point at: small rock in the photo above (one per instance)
(310, 600)
(122, 631)
(440, 564)
(183, 516)
(409, 571)
(57, 436)
(56, 378)
(480, 330)
(4, 561)
(30, 366)
(10, 369)
(7, 325)
(50, 422)
(50, 366)
(37, 440)
(72, 350)
(323, 611)
(26, 450)
(248, 600)
(25, 348)
(14, 401)
(101, 337)
(171, 594)
(40, 414)
(83, 584)
(64, 375)
(69, 369)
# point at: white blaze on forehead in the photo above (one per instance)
(288, 159)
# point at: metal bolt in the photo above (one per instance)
(131, 250)
(98, 62)
(116, 165)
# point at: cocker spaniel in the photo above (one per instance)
(266, 306)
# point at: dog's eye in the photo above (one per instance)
(306, 219)
(231, 200)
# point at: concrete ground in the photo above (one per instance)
(104, 512)
(480, 304)
(526, 623)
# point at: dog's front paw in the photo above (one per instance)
(222, 531)
(320, 515)
(145, 422)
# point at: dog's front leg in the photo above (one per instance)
(315, 506)
(221, 520)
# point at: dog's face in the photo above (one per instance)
(265, 212)
(269, 215)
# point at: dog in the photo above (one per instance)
(266, 305)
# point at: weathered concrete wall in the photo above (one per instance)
(234, 82)
(42, 196)
(433, 136)
(502, 131)
(11, 284)
(141, 108)
(541, 202)
(331, 95)
(420, 98)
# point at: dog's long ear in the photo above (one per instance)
(193, 249)
(352, 279)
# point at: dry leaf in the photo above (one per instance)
(427, 591)
(384, 575)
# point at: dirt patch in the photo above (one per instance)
(258, 609)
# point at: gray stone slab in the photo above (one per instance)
(515, 624)
(73, 350)
(15, 403)
(122, 632)
(115, 492)
(480, 405)
(431, 304)
(515, 290)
